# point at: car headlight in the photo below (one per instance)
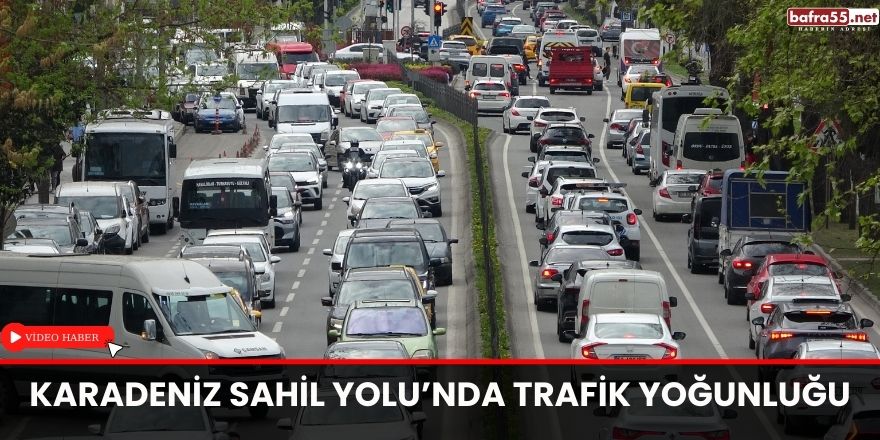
(423, 354)
(312, 182)
(112, 230)
(433, 187)
(210, 354)
(359, 165)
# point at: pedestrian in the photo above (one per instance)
(607, 70)
(58, 155)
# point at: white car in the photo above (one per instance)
(355, 52)
(626, 336)
(533, 173)
(371, 109)
(110, 208)
(365, 189)
(260, 250)
(382, 156)
(491, 95)
(547, 115)
(279, 139)
(618, 124)
(397, 99)
(548, 24)
(590, 234)
(786, 288)
(313, 148)
(267, 92)
(303, 167)
(354, 100)
(334, 81)
(337, 254)
(516, 117)
(673, 195)
(632, 75)
(618, 208)
(837, 349)
(570, 187)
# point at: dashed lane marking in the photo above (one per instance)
(301, 273)
(306, 261)
(295, 285)
(284, 311)
(311, 251)
(316, 241)
(319, 232)
(323, 223)
(331, 206)
(290, 297)
(277, 327)
(326, 215)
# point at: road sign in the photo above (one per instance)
(467, 26)
(625, 16)
(405, 31)
(827, 135)
(670, 38)
(434, 41)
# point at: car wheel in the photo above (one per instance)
(634, 254)
(295, 246)
(637, 171)
(437, 211)
(552, 91)
(324, 184)
(728, 294)
(589, 92)
(751, 342)
(136, 241)
(530, 209)
(129, 251)
(319, 204)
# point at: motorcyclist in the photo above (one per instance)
(355, 169)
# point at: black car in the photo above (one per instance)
(740, 264)
(703, 233)
(83, 221)
(506, 46)
(289, 218)
(389, 247)
(562, 134)
(439, 245)
(570, 287)
(790, 324)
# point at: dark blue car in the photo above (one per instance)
(488, 17)
(226, 111)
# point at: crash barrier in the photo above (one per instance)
(458, 103)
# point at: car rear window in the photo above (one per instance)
(531, 103)
(575, 172)
(596, 238)
(496, 70)
(641, 93)
(683, 179)
(819, 320)
(557, 116)
(626, 295)
(603, 204)
(566, 155)
(479, 69)
(566, 133)
(570, 255)
(489, 86)
(762, 249)
(803, 289)
(798, 269)
(628, 330)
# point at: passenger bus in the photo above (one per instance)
(225, 194)
(137, 145)
(667, 106)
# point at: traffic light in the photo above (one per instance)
(438, 12)
(443, 12)
(427, 8)
(389, 5)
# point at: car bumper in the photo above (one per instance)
(644, 165)
(615, 137)
(285, 233)
(114, 244)
(225, 124)
(492, 106)
(310, 193)
(666, 206)
(705, 252)
(546, 291)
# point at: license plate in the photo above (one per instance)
(488, 97)
(685, 194)
(629, 356)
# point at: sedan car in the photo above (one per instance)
(790, 264)
(289, 218)
(355, 52)
(591, 234)
(673, 194)
(373, 101)
(336, 254)
(31, 246)
(260, 251)
(558, 258)
(840, 350)
(185, 109)
(439, 245)
(491, 95)
(303, 167)
(399, 98)
(402, 320)
(418, 175)
(223, 112)
(626, 336)
(366, 189)
(617, 125)
(354, 93)
(388, 125)
(415, 111)
(516, 117)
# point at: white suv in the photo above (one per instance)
(551, 114)
(564, 186)
(617, 207)
(556, 169)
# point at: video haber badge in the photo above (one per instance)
(17, 337)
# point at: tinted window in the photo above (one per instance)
(384, 320)
(615, 330)
(711, 147)
(82, 307)
(798, 269)
(479, 69)
(575, 172)
(531, 103)
(556, 116)
(641, 93)
(60, 233)
(803, 289)
(816, 321)
(373, 254)
(135, 310)
(674, 108)
(565, 133)
(291, 163)
(683, 179)
(611, 206)
(762, 249)
(26, 305)
(596, 238)
(496, 70)
(570, 255)
(489, 86)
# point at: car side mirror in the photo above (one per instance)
(333, 334)
(596, 160)
(81, 242)
(582, 119)
(441, 173)
(418, 417)
(327, 301)
(346, 200)
(467, 88)
(275, 259)
(150, 332)
(591, 136)
(531, 159)
(678, 336)
(525, 174)
(726, 253)
(336, 266)
(543, 192)
(556, 277)
(352, 217)
(845, 297)
(673, 301)
(172, 150)
(637, 211)
(866, 323)
(452, 240)
(534, 263)
(439, 331)
(759, 321)
(606, 120)
(687, 218)
(265, 148)
(327, 252)
(435, 263)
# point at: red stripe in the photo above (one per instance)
(446, 362)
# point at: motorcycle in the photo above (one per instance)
(355, 167)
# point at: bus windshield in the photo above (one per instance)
(217, 203)
(257, 70)
(126, 156)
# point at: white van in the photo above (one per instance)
(305, 113)
(552, 39)
(707, 140)
(186, 313)
(492, 67)
(623, 291)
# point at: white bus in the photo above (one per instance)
(134, 145)
(667, 105)
(225, 194)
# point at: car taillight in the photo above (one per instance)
(627, 60)
(722, 434)
(742, 165)
(741, 264)
(589, 351)
(504, 94)
(550, 237)
(615, 252)
(631, 434)
(474, 94)
(857, 336)
(540, 124)
(514, 112)
(777, 335)
(554, 80)
(655, 61)
(664, 193)
(667, 313)
(616, 126)
(631, 219)
(588, 80)
(640, 150)
(671, 352)
(766, 308)
(548, 273)
(556, 201)
(678, 165)
(585, 312)
(519, 67)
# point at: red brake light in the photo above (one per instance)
(767, 307)
(540, 124)
(671, 352)
(664, 193)
(655, 61)
(556, 201)
(627, 60)
(550, 237)
(589, 351)
(616, 126)
(631, 219)
(742, 264)
(640, 150)
(474, 94)
(585, 312)
(777, 335)
(858, 336)
(514, 112)
(548, 273)
(505, 94)
(615, 252)
(678, 165)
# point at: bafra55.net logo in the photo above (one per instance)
(833, 18)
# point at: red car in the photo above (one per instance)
(789, 264)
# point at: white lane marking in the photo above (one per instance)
(319, 233)
(301, 273)
(338, 192)
(323, 223)
(277, 327)
(311, 251)
(316, 241)
(295, 285)
(334, 199)
(330, 206)
(284, 311)
(326, 215)
(290, 297)
(523, 259)
(306, 261)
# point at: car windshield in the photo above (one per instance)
(284, 180)
(101, 207)
(236, 280)
(628, 330)
(225, 103)
(683, 179)
(385, 321)
(570, 255)
(596, 238)
(351, 291)
(602, 204)
(377, 208)
(380, 254)
(286, 138)
(311, 148)
(300, 57)
(556, 116)
(303, 113)
(341, 244)
(798, 269)
(402, 99)
(762, 249)
(627, 115)
(332, 413)
(531, 103)
(339, 79)
(837, 353)
(291, 163)
(151, 419)
(253, 248)
(403, 169)
(430, 232)
(803, 289)
(418, 113)
(209, 70)
(60, 233)
(364, 192)
(203, 314)
(257, 70)
(360, 134)
(392, 125)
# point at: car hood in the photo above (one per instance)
(234, 345)
(105, 223)
(302, 176)
(369, 147)
(437, 249)
(338, 311)
(418, 182)
(303, 127)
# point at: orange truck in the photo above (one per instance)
(571, 68)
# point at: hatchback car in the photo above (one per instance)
(438, 244)
(223, 112)
(402, 320)
(738, 265)
(378, 211)
(673, 195)
(418, 175)
(515, 117)
(491, 96)
(366, 189)
(373, 102)
(558, 258)
(591, 234)
(558, 133)
(617, 125)
(626, 336)
(553, 114)
(790, 324)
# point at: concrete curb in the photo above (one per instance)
(850, 285)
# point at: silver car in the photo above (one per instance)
(617, 125)
(626, 336)
(303, 167)
(418, 175)
(417, 112)
(373, 101)
(311, 148)
(365, 189)
(516, 117)
(336, 255)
